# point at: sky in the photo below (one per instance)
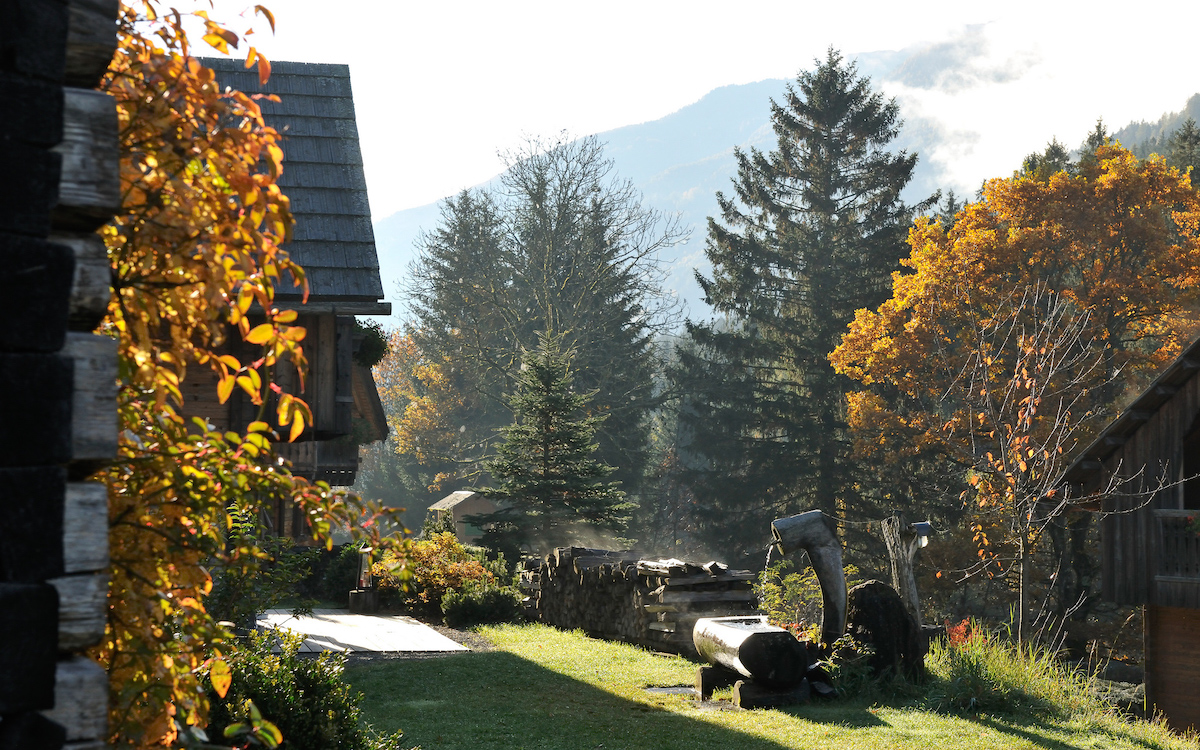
(443, 88)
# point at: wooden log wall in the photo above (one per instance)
(58, 151)
(653, 603)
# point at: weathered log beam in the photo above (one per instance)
(91, 40)
(809, 532)
(91, 284)
(80, 699)
(89, 189)
(94, 404)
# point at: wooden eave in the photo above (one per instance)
(1120, 430)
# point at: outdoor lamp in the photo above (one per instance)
(923, 530)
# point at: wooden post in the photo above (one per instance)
(902, 548)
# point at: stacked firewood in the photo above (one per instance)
(618, 596)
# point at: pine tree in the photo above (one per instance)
(1183, 148)
(547, 479)
(812, 234)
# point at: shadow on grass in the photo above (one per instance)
(838, 713)
(499, 700)
(1015, 731)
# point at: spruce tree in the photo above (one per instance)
(549, 483)
(811, 234)
(1183, 147)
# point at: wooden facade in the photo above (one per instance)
(58, 416)
(334, 242)
(1142, 474)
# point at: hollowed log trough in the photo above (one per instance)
(765, 664)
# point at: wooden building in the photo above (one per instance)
(460, 505)
(1150, 457)
(334, 243)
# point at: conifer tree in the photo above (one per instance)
(549, 483)
(1183, 148)
(812, 233)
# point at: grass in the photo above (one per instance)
(544, 688)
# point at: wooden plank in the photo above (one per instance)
(323, 361)
(94, 402)
(344, 383)
(674, 597)
(705, 578)
(80, 699)
(85, 527)
(82, 605)
(91, 287)
(91, 40)
(89, 189)
(1172, 663)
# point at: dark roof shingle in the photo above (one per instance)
(322, 176)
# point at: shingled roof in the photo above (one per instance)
(323, 177)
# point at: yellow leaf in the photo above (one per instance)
(258, 426)
(285, 316)
(261, 334)
(247, 385)
(221, 676)
(225, 388)
(297, 426)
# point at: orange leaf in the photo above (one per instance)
(268, 14)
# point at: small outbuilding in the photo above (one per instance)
(460, 505)
(1149, 551)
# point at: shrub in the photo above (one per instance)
(246, 584)
(374, 346)
(340, 574)
(437, 565)
(479, 605)
(304, 696)
(792, 600)
(975, 671)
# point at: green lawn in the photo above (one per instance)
(543, 688)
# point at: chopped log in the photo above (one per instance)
(80, 699)
(85, 528)
(751, 647)
(89, 188)
(751, 695)
(94, 405)
(91, 40)
(82, 604)
(91, 286)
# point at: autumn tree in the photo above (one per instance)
(561, 244)
(1116, 245)
(811, 233)
(551, 488)
(195, 254)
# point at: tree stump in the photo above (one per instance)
(877, 617)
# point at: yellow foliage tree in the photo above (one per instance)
(195, 257)
(1000, 350)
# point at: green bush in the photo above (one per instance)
(479, 605)
(304, 696)
(792, 599)
(985, 673)
(437, 565)
(340, 575)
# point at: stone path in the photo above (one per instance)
(338, 630)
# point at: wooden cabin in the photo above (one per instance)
(334, 242)
(1149, 557)
(460, 505)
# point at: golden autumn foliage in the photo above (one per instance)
(195, 255)
(428, 409)
(1014, 335)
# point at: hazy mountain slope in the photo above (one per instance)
(679, 162)
(1135, 134)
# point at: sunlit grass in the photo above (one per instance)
(544, 688)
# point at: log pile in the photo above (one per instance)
(617, 596)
